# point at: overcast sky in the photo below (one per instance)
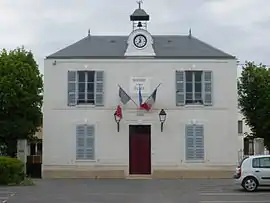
(238, 27)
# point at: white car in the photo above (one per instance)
(253, 171)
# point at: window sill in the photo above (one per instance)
(83, 106)
(85, 161)
(194, 161)
(195, 106)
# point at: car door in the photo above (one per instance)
(261, 166)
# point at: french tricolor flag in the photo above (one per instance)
(147, 105)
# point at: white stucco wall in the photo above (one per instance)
(168, 147)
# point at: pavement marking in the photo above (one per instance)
(237, 201)
(234, 194)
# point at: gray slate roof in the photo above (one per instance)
(165, 46)
(139, 12)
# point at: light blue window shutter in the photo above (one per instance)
(99, 88)
(208, 86)
(180, 88)
(80, 141)
(90, 143)
(199, 142)
(72, 83)
(190, 144)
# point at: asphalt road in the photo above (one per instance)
(133, 191)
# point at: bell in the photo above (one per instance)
(139, 24)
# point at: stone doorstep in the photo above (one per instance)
(139, 177)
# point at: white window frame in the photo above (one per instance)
(193, 88)
(86, 87)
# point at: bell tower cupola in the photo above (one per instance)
(139, 17)
(140, 42)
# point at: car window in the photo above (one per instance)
(262, 162)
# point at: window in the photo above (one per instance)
(194, 142)
(193, 87)
(85, 142)
(262, 162)
(85, 87)
(240, 127)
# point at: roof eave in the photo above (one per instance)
(155, 57)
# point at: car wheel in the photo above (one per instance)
(250, 184)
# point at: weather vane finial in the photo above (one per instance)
(140, 3)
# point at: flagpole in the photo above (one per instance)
(153, 91)
(129, 96)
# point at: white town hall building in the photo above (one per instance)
(163, 106)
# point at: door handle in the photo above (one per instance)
(257, 171)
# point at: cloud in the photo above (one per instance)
(239, 27)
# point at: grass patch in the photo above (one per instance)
(27, 182)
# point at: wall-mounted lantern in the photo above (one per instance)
(117, 120)
(162, 118)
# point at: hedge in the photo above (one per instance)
(11, 171)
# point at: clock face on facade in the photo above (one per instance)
(140, 41)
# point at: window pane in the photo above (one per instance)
(90, 96)
(198, 76)
(240, 126)
(81, 95)
(81, 87)
(198, 95)
(189, 96)
(90, 87)
(188, 87)
(81, 76)
(188, 76)
(265, 162)
(198, 87)
(91, 76)
(256, 163)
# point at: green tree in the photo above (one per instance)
(21, 89)
(254, 99)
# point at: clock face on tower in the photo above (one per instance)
(140, 41)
